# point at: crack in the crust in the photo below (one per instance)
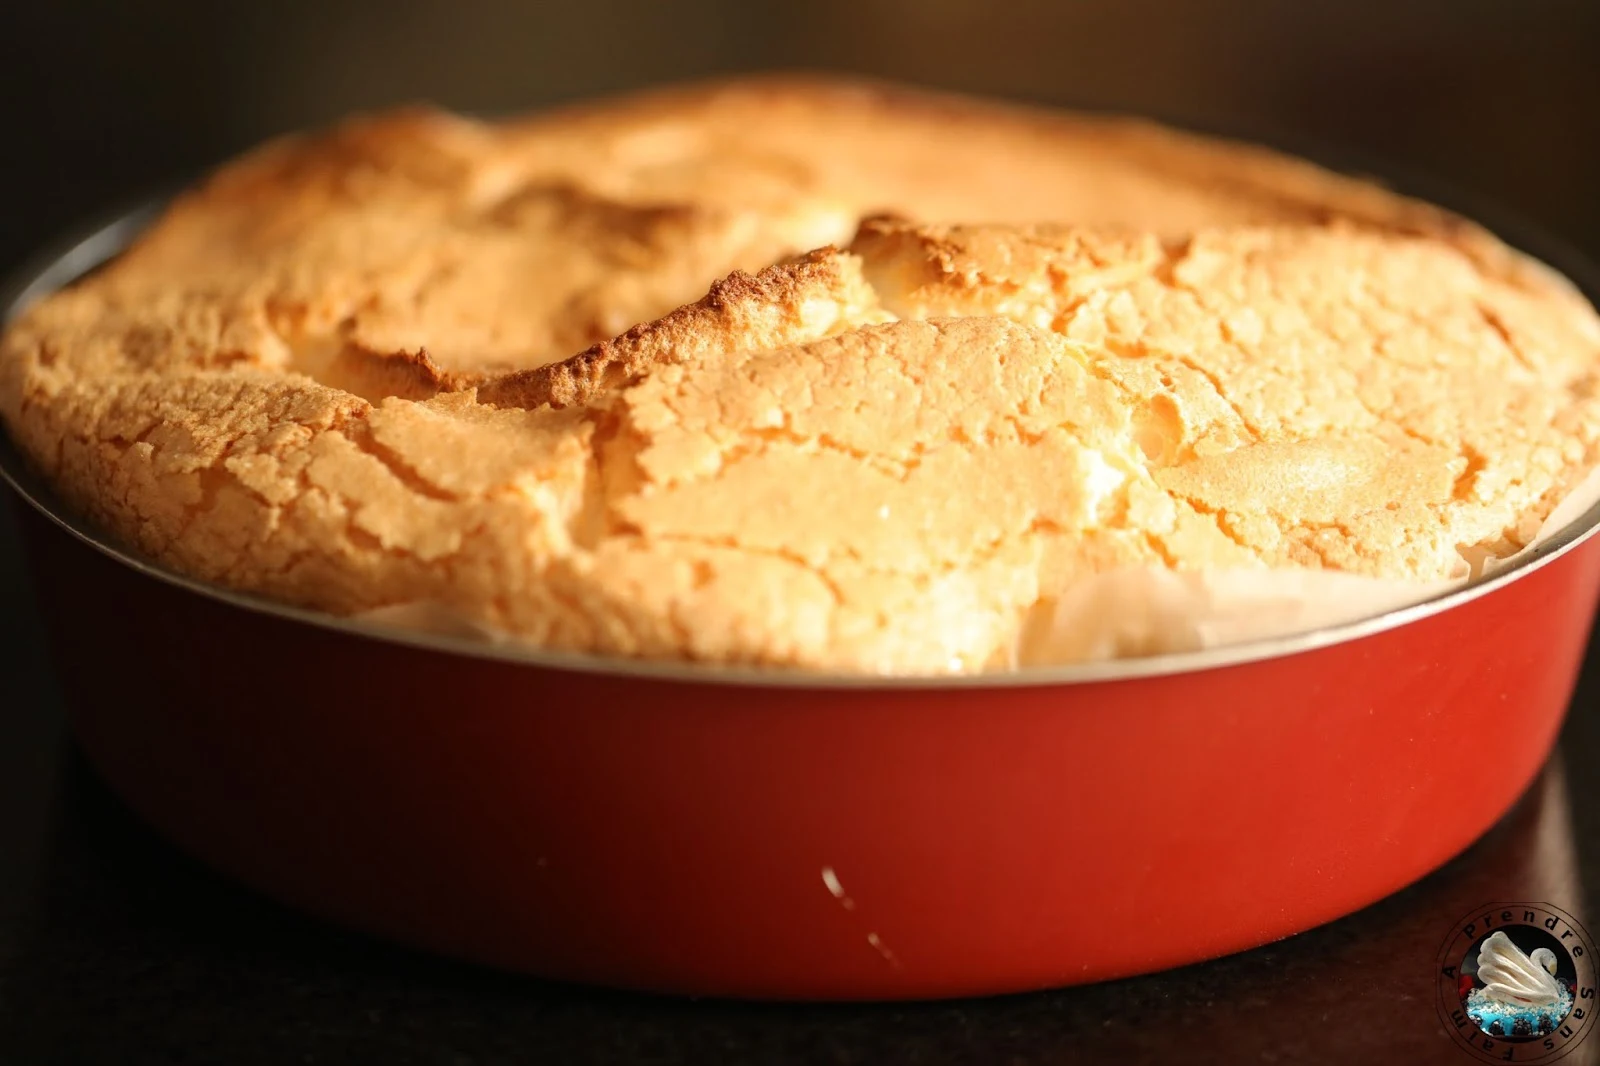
(117, 440)
(753, 442)
(1063, 309)
(212, 480)
(1405, 430)
(1323, 555)
(594, 518)
(1492, 319)
(254, 493)
(1067, 306)
(1410, 315)
(1132, 350)
(975, 558)
(1333, 526)
(598, 513)
(1305, 534)
(936, 568)
(1139, 406)
(370, 542)
(574, 606)
(1159, 546)
(1389, 423)
(1467, 480)
(682, 631)
(265, 576)
(214, 477)
(359, 433)
(1289, 530)
(1430, 328)
(1584, 389)
(786, 554)
(1097, 369)
(1215, 382)
(1165, 269)
(1217, 516)
(901, 467)
(1173, 256)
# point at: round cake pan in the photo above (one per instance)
(779, 835)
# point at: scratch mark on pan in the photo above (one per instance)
(883, 949)
(831, 881)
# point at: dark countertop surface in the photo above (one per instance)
(116, 949)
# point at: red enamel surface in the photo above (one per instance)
(673, 836)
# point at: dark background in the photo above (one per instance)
(108, 98)
(114, 950)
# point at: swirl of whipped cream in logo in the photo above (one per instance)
(1511, 977)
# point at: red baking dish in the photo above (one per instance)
(770, 834)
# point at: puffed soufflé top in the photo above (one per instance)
(799, 372)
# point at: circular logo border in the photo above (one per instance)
(1465, 1033)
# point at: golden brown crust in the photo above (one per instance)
(339, 372)
(1342, 397)
(802, 299)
